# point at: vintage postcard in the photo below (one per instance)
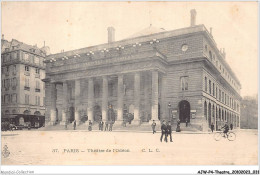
(129, 83)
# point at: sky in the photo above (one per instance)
(74, 25)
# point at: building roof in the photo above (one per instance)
(16, 45)
(148, 31)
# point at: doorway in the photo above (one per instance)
(184, 111)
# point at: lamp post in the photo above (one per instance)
(169, 107)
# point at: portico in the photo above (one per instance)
(93, 92)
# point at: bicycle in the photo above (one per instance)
(231, 136)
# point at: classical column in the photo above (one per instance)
(147, 106)
(120, 99)
(155, 85)
(164, 110)
(90, 99)
(64, 103)
(136, 99)
(53, 113)
(77, 101)
(105, 99)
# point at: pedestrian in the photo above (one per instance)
(74, 124)
(99, 126)
(110, 125)
(66, 126)
(169, 130)
(90, 125)
(106, 127)
(102, 125)
(178, 129)
(124, 123)
(212, 127)
(231, 126)
(153, 126)
(164, 130)
(186, 121)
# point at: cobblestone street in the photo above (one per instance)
(127, 148)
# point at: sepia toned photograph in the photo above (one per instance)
(129, 83)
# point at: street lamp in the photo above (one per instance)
(169, 107)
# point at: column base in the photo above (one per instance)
(51, 123)
(136, 122)
(63, 123)
(119, 122)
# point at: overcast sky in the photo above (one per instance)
(74, 25)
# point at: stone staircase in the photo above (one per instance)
(146, 127)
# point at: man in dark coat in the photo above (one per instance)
(110, 125)
(186, 121)
(90, 125)
(212, 127)
(231, 126)
(164, 131)
(169, 130)
(106, 126)
(74, 124)
(153, 126)
(101, 124)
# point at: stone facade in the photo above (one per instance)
(23, 91)
(171, 75)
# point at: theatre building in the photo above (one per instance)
(153, 75)
(22, 89)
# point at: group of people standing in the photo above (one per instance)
(108, 125)
(166, 130)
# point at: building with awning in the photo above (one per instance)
(22, 91)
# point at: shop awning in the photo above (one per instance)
(6, 116)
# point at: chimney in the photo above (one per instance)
(43, 43)
(3, 36)
(111, 34)
(193, 17)
(210, 31)
(224, 53)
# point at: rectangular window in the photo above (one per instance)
(39, 101)
(27, 99)
(213, 89)
(7, 84)
(209, 86)
(7, 98)
(14, 82)
(37, 70)
(14, 98)
(26, 57)
(184, 83)
(216, 92)
(14, 69)
(27, 82)
(27, 68)
(222, 97)
(37, 85)
(206, 84)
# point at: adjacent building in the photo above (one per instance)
(22, 91)
(153, 75)
(249, 112)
